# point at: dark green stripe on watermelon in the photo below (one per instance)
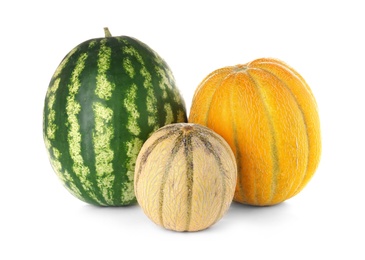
(105, 99)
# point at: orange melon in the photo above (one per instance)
(268, 114)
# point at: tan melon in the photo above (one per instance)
(185, 177)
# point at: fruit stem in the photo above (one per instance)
(187, 128)
(107, 32)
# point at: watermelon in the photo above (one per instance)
(106, 97)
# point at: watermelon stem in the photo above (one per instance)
(107, 32)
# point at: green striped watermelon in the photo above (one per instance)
(107, 96)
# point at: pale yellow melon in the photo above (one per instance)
(185, 177)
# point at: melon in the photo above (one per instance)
(185, 177)
(106, 97)
(268, 114)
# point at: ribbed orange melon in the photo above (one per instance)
(185, 177)
(267, 113)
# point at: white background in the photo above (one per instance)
(322, 40)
